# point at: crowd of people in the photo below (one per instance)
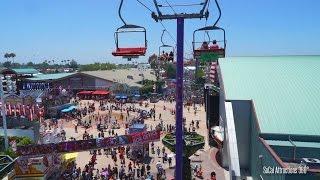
(128, 171)
(107, 116)
(131, 170)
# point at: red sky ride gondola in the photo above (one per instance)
(129, 52)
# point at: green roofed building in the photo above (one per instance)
(26, 71)
(270, 111)
(47, 77)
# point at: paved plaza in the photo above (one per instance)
(204, 157)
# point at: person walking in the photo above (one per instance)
(76, 128)
(143, 170)
(130, 166)
(158, 151)
(169, 161)
(138, 171)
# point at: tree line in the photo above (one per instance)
(58, 66)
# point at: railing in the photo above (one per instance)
(8, 165)
(261, 177)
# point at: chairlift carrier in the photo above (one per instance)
(129, 52)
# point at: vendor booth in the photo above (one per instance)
(37, 167)
(84, 94)
(100, 94)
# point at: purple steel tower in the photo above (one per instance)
(179, 75)
(179, 98)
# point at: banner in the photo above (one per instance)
(85, 145)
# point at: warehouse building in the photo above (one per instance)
(128, 80)
(270, 112)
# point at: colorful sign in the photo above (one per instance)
(209, 55)
(85, 145)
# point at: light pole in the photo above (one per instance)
(4, 118)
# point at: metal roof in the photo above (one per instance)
(293, 143)
(285, 91)
(122, 75)
(131, 77)
(279, 143)
(26, 71)
(43, 77)
(138, 126)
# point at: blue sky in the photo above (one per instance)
(83, 29)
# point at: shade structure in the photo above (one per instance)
(124, 97)
(100, 92)
(65, 110)
(69, 109)
(85, 92)
(70, 156)
(121, 96)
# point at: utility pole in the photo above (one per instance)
(4, 118)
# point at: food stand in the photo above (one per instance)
(37, 167)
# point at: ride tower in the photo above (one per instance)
(159, 16)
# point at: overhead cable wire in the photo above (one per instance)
(171, 7)
(171, 36)
(144, 5)
(176, 13)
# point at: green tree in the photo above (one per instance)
(7, 64)
(200, 73)
(153, 61)
(7, 56)
(200, 78)
(97, 66)
(25, 141)
(30, 64)
(12, 55)
(146, 89)
(73, 64)
(171, 71)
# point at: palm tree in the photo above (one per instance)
(6, 55)
(12, 55)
